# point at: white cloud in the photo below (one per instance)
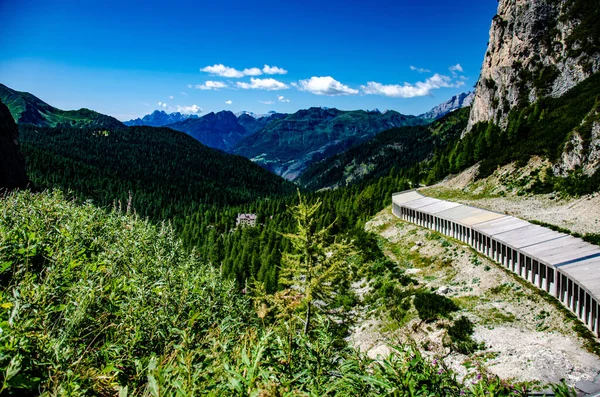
(420, 70)
(190, 86)
(274, 70)
(281, 98)
(162, 105)
(267, 102)
(456, 68)
(226, 71)
(184, 93)
(222, 70)
(210, 85)
(421, 88)
(263, 84)
(192, 109)
(325, 86)
(252, 72)
(229, 102)
(171, 97)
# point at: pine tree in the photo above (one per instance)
(316, 266)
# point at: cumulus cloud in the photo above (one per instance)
(273, 70)
(326, 85)
(281, 98)
(210, 85)
(229, 72)
(252, 72)
(263, 84)
(456, 68)
(421, 88)
(420, 70)
(266, 102)
(162, 105)
(192, 109)
(171, 97)
(223, 71)
(229, 102)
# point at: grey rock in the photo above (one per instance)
(521, 45)
(459, 101)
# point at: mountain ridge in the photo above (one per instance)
(288, 145)
(26, 108)
(458, 101)
(159, 118)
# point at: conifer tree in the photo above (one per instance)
(316, 266)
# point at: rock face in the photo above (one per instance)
(536, 48)
(12, 163)
(459, 101)
(582, 150)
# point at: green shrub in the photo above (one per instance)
(460, 333)
(433, 306)
(91, 299)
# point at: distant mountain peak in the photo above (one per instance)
(160, 118)
(459, 101)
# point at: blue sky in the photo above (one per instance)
(123, 58)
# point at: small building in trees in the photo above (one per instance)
(244, 220)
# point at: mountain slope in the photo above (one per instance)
(218, 130)
(400, 147)
(159, 118)
(12, 163)
(222, 130)
(536, 49)
(287, 146)
(459, 101)
(28, 109)
(167, 172)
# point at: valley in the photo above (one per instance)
(239, 240)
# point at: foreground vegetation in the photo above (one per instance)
(99, 303)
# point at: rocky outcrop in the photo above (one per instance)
(459, 101)
(12, 163)
(582, 150)
(536, 48)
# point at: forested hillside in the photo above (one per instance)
(395, 148)
(288, 145)
(28, 109)
(159, 172)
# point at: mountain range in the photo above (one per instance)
(396, 147)
(222, 130)
(285, 144)
(160, 118)
(288, 145)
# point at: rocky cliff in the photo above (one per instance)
(12, 163)
(536, 48)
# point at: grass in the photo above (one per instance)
(104, 303)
